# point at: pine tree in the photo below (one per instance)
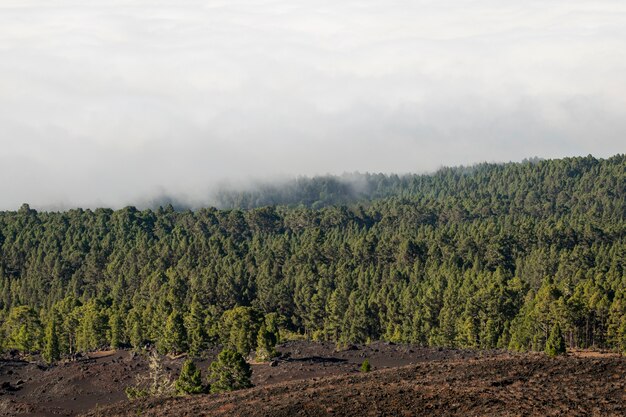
(91, 333)
(266, 342)
(621, 343)
(190, 379)
(135, 329)
(23, 329)
(115, 324)
(555, 345)
(196, 331)
(51, 351)
(239, 329)
(229, 372)
(272, 323)
(175, 337)
(365, 366)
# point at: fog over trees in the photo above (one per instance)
(496, 255)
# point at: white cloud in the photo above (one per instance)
(104, 102)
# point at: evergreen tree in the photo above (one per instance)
(115, 324)
(190, 379)
(135, 329)
(196, 331)
(266, 342)
(485, 256)
(175, 334)
(621, 341)
(239, 328)
(229, 372)
(365, 366)
(93, 323)
(555, 345)
(51, 351)
(23, 329)
(273, 323)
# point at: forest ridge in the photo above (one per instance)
(489, 256)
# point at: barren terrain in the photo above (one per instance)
(313, 379)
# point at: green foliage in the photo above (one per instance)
(273, 322)
(196, 328)
(23, 329)
(485, 256)
(115, 324)
(51, 350)
(621, 339)
(266, 342)
(190, 379)
(555, 345)
(229, 372)
(133, 393)
(239, 329)
(92, 327)
(135, 329)
(365, 366)
(175, 337)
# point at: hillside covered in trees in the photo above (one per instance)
(490, 256)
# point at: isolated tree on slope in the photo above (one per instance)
(190, 379)
(229, 372)
(365, 366)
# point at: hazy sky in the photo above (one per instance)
(108, 102)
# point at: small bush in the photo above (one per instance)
(365, 366)
(133, 393)
(229, 372)
(157, 383)
(190, 379)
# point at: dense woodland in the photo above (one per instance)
(489, 256)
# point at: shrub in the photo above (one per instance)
(365, 366)
(157, 383)
(190, 379)
(229, 372)
(133, 393)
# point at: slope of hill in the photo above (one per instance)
(505, 180)
(529, 385)
(492, 256)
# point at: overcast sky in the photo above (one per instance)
(107, 102)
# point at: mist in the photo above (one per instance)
(111, 103)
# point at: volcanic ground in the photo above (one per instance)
(314, 379)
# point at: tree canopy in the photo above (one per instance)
(493, 255)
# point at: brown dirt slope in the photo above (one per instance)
(79, 384)
(524, 385)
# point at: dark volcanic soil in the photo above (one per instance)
(314, 380)
(497, 386)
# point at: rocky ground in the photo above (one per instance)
(313, 379)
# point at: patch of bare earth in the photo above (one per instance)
(314, 379)
(505, 385)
